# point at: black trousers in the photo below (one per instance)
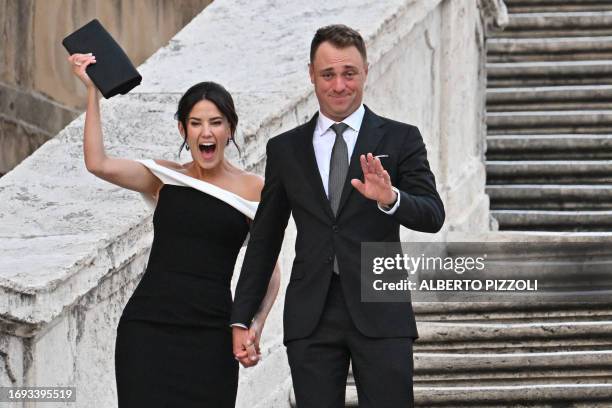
(382, 367)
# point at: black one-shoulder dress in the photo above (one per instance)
(174, 343)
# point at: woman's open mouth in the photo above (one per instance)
(207, 150)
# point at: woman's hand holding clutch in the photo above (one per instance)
(79, 63)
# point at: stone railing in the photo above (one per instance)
(73, 247)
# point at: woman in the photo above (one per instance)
(174, 343)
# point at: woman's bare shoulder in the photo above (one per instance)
(253, 184)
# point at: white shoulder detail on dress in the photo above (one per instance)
(169, 176)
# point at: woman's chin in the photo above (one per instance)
(208, 163)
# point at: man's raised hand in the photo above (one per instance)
(376, 184)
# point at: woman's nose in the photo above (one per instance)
(206, 130)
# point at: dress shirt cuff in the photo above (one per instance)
(391, 211)
(238, 325)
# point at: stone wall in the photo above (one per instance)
(73, 246)
(38, 93)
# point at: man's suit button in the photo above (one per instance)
(335, 228)
(330, 259)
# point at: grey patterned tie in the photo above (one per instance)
(338, 168)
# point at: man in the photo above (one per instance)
(327, 173)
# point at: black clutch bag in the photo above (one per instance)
(113, 73)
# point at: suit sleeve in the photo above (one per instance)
(421, 208)
(267, 233)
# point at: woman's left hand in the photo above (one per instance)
(255, 335)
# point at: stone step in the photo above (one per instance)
(561, 105)
(556, 24)
(550, 197)
(539, 6)
(505, 365)
(588, 394)
(509, 395)
(548, 73)
(429, 314)
(532, 246)
(549, 171)
(542, 220)
(538, 333)
(549, 122)
(549, 147)
(547, 98)
(549, 49)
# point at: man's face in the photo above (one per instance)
(338, 75)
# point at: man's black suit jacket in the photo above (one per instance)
(293, 185)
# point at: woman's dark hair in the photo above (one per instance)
(207, 91)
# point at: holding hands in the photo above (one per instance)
(246, 343)
(376, 183)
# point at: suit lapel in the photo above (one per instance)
(304, 153)
(369, 136)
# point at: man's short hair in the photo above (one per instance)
(340, 36)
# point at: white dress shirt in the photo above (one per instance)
(323, 142)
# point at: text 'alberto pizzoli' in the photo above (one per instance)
(458, 265)
(458, 285)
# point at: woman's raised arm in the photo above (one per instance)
(122, 172)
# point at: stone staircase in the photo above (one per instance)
(504, 355)
(519, 354)
(549, 116)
